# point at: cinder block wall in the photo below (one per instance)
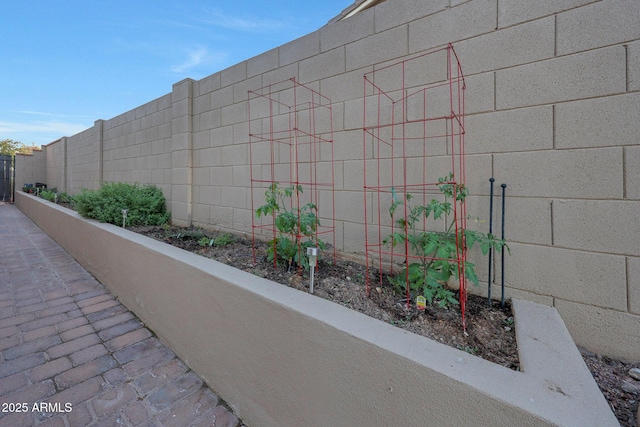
(84, 159)
(55, 164)
(30, 168)
(553, 111)
(136, 145)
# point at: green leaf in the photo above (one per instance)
(396, 202)
(396, 238)
(437, 211)
(484, 247)
(470, 238)
(470, 272)
(443, 252)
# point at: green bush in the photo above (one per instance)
(48, 195)
(64, 198)
(145, 204)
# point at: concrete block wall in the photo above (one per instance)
(55, 159)
(571, 215)
(136, 145)
(30, 168)
(552, 110)
(181, 114)
(84, 159)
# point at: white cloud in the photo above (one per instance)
(40, 113)
(194, 58)
(52, 127)
(199, 56)
(246, 24)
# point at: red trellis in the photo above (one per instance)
(413, 134)
(291, 143)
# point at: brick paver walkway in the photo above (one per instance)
(72, 355)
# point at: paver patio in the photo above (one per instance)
(72, 355)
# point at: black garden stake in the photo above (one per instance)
(504, 187)
(491, 180)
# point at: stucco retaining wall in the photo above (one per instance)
(282, 357)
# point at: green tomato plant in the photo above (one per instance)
(296, 227)
(221, 240)
(437, 251)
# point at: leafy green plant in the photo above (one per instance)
(221, 240)
(224, 239)
(437, 251)
(205, 241)
(64, 198)
(296, 226)
(427, 279)
(48, 195)
(470, 350)
(145, 204)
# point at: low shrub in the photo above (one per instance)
(145, 204)
(48, 195)
(64, 198)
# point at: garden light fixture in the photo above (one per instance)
(312, 253)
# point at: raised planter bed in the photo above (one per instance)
(281, 357)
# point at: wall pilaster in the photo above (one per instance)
(181, 152)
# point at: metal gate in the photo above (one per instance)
(6, 178)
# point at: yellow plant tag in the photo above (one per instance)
(421, 302)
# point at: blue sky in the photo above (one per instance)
(67, 63)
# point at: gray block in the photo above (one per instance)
(594, 173)
(595, 73)
(600, 24)
(599, 122)
(512, 12)
(610, 226)
(464, 21)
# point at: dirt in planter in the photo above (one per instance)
(490, 332)
(618, 387)
(490, 329)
